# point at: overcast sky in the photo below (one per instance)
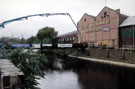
(10, 9)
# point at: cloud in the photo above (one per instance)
(10, 9)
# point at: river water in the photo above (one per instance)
(69, 73)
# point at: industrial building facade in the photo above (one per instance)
(127, 33)
(109, 28)
(102, 29)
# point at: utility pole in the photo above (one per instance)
(22, 39)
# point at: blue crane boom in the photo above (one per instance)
(26, 17)
(2, 25)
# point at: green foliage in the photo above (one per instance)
(32, 65)
(47, 33)
(63, 52)
(12, 40)
(33, 39)
(47, 40)
(44, 35)
(5, 45)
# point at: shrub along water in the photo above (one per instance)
(62, 52)
(32, 64)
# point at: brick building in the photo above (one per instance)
(101, 29)
(70, 37)
(127, 33)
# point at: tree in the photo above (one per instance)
(46, 34)
(33, 39)
(47, 40)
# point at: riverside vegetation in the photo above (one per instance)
(31, 64)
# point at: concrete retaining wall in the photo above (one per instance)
(109, 54)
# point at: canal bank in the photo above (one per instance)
(117, 57)
(121, 64)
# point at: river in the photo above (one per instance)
(69, 73)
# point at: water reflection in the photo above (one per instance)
(96, 79)
(59, 80)
(68, 73)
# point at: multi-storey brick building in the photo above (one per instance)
(101, 29)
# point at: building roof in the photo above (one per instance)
(94, 17)
(69, 33)
(91, 15)
(117, 10)
(128, 22)
(7, 68)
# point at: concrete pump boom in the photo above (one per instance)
(26, 17)
(2, 25)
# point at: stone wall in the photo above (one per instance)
(109, 54)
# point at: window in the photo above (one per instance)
(70, 38)
(84, 19)
(73, 38)
(105, 14)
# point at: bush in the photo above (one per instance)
(31, 64)
(62, 52)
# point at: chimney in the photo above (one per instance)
(118, 11)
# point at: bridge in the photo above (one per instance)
(47, 46)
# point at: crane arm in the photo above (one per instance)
(26, 17)
(2, 25)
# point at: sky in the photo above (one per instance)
(10, 9)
